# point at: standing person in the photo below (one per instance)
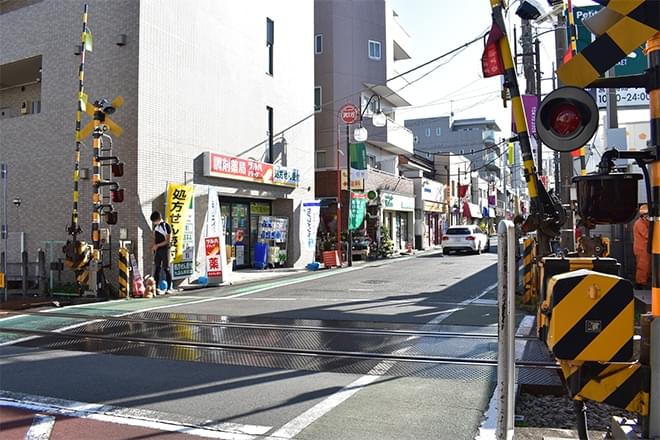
(640, 248)
(161, 250)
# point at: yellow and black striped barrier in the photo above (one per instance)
(591, 317)
(529, 254)
(123, 266)
(624, 385)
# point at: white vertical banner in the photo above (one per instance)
(310, 213)
(214, 241)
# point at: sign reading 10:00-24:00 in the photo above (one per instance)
(625, 97)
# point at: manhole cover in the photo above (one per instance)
(374, 282)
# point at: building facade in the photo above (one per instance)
(193, 103)
(357, 46)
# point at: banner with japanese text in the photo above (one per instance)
(214, 241)
(310, 217)
(357, 210)
(180, 214)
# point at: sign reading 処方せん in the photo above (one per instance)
(180, 214)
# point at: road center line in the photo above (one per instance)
(41, 428)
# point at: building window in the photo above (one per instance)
(269, 112)
(321, 159)
(270, 42)
(318, 99)
(428, 132)
(438, 131)
(318, 43)
(374, 50)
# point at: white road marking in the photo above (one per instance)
(296, 425)
(127, 416)
(41, 428)
(483, 293)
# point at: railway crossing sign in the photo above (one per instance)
(622, 26)
(112, 125)
(349, 114)
(632, 64)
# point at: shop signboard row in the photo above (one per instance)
(238, 168)
(432, 191)
(397, 202)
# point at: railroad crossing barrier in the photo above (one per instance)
(123, 266)
(506, 347)
(529, 254)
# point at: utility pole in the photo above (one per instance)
(5, 231)
(566, 160)
(528, 57)
(349, 232)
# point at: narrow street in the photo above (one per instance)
(368, 352)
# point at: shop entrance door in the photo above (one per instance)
(241, 217)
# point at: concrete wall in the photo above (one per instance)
(39, 148)
(204, 87)
(344, 66)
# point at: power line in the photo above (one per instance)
(295, 124)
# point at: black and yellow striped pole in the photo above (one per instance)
(540, 218)
(653, 52)
(529, 290)
(74, 228)
(123, 266)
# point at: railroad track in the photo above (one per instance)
(205, 338)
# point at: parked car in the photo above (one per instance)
(465, 238)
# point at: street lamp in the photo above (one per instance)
(379, 119)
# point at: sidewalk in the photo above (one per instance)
(245, 276)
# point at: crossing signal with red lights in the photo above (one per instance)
(567, 119)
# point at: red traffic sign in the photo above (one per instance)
(349, 114)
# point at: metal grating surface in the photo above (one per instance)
(344, 364)
(307, 340)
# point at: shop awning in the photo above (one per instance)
(471, 210)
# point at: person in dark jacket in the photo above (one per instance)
(161, 250)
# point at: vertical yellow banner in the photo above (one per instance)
(179, 198)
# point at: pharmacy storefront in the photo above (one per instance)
(255, 201)
(398, 213)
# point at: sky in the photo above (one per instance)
(437, 26)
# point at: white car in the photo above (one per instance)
(465, 238)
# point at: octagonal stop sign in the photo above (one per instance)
(349, 114)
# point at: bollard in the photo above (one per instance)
(24, 272)
(506, 351)
(529, 247)
(43, 275)
(654, 411)
(123, 266)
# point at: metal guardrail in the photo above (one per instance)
(506, 347)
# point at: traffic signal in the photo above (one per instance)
(567, 119)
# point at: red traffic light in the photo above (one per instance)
(567, 119)
(117, 169)
(117, 195)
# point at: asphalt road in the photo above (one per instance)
(249, 398)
